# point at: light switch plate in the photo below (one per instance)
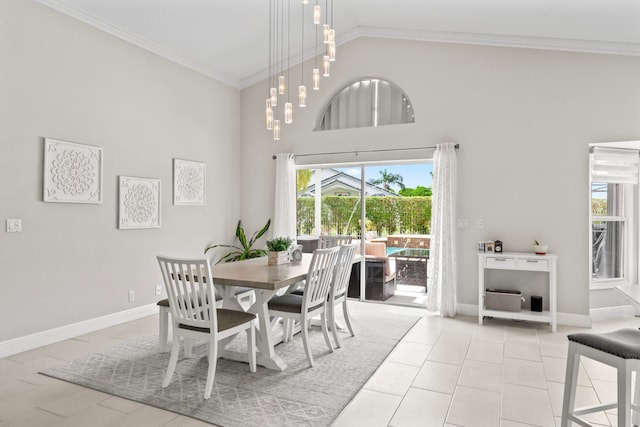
(14, 225)
(463, 222)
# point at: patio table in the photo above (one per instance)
(411, 266)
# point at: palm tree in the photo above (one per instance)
(386, 179)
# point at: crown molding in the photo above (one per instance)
(500, 40)
(62, 7)
(529, 42)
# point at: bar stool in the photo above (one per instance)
(619, 349)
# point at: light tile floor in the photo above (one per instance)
(444, 373)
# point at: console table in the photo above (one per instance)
(518, 261)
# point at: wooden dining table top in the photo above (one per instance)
(256, 273)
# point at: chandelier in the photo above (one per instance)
(279, 107)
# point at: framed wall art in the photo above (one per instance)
(139, 203)
(189, 182)
(72, 172)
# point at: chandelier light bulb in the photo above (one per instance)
(332, 35)
(302, 96)
(326, 66)
(316, 14)
(269, 114)
(316, 79)
(288, 112)
(325, 33)
(305, 1)
(274, 97)
(276, 130)
(331, 51)
(282, 85)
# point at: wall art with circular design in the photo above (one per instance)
(139, 202)
(189, 182)
(72, 172)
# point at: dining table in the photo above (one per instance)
(266, 280)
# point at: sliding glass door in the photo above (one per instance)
(387, 209)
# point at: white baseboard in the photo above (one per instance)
(39, 339)
(617, 312)
(565, 319)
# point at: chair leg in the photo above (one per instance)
(305, 341)
(570, 382)
(173, 361)
(347, 320)
(332, 319)
(285, 329)
(325, 331)
(163, 329)
(211, 372)
(188, 347)
(251, 346)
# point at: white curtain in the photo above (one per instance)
(441, 293)
(284, 211)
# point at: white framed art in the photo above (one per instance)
(139, 202)
(189, 182)
(72, 172)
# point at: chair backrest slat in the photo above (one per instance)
(319, 277)
(189, 288)
(343, 269)
(325, 242)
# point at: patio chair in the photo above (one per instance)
(313, 301)
(194, 314)
(338, 292)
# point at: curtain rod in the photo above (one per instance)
(457, 146)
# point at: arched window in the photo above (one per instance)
(366, 103)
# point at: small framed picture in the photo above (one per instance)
(489, 246)
(139, 203)
(72, 172)
(189, 182)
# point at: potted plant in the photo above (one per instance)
(278, 248)
(246, 251)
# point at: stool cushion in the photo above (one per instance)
(624, 343)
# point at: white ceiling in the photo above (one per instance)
(228, 39)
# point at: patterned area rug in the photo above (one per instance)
(299, 396)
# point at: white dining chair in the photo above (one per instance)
(325, 241)
(241, 294)
(194, 314)
(339, 286)
(313, 301)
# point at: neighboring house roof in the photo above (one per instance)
(334, 180)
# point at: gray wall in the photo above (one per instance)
(523, 117)
(62, 79)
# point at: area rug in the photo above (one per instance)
(298, 396)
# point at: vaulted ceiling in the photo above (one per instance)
(228, 39)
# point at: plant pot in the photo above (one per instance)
(540, 249)
(275, 258)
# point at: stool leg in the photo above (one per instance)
(570, 382)
(624, 396)
(635, 414)
(163, 333)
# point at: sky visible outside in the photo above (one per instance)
(412, 175)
